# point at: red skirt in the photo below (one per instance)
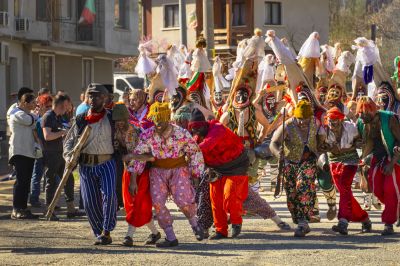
(138, 207)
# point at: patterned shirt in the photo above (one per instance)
(180, 143)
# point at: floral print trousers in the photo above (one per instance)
(300, 189)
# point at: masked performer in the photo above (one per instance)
(178, 159)
(300, 153)
(138, 207)
(217, 100)
(381, 134)
(388, 99)
(339, 139)
(145, 64)
(227, 163)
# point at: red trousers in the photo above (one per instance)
(227, 196)
(386, 189)
(349, 208)
(138, 207)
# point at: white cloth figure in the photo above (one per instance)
(200, 61)
(310, 48)
(183, 50)
(219, 81)
(175, 56)
(168, 74)
(185, 72)
(145, 64)
(240, 54)
(328, 63)
(231, 74)
(255, 48)
(294, 72)
(345, 60)
(367, 56)
(266, 72)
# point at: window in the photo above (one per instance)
(171, 16)
(120, 13)
(3, 6)
(239, 14)
(42, 10)
(273, 13)
(47, 72)
(87, 71)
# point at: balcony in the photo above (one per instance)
(223, 41)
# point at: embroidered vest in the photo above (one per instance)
(250, 126)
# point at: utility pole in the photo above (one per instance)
(182, 21)
(208, 26)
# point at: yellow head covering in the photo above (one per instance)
(159, 112)
(303, 110)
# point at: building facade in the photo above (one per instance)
(44, 46)
(236, 19)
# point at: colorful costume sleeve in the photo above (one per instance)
(193, 152)
(142, 148)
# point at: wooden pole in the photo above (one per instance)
(208, 26)
(182, 21)
(229, 22)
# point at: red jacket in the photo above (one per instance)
(221, 145)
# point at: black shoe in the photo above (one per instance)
(53, 218)
(23, 215)
(206, 233)
(36, 204)
(217, 236)
(103, 240)
(236, 229)
(366, 227)
(167, 244)
(128, 241)
(302, 230)
(388, 230)
(152, 239)
(284, 226)
(340, 228)
(198, 233)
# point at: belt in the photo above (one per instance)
(170, 163)
(94, 159)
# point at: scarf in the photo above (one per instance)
(93, 117)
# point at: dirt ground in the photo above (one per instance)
(69, 242)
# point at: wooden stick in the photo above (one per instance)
(69, 167)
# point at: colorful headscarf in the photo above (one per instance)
(303, 110)
(159, 112)
(334, 113)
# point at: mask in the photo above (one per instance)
(158, 96)
(384, 99)
(218, 98)
(334, 94)
(241, 98)
(269, 105)
(195, 97)
(322, 98)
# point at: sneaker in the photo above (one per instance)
(103, 240)
(388, 230)
(376, 203)
(302, 230)
(366, 227)
(217, 236)
(198, 232)
(398, 223)
(341, 228)
(367, 202)
(236, 229)
(284, 226)
(206, 233)
(23, 215)
(331, 213)
(152, 239)
(128, 241)
(167, 244)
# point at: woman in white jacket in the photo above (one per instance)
(22, 153)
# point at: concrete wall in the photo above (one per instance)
(122, 41)
(299, 19)
(167, 35)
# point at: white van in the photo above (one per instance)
(124, 81)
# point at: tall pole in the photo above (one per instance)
(182, 21)
(208, 26)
